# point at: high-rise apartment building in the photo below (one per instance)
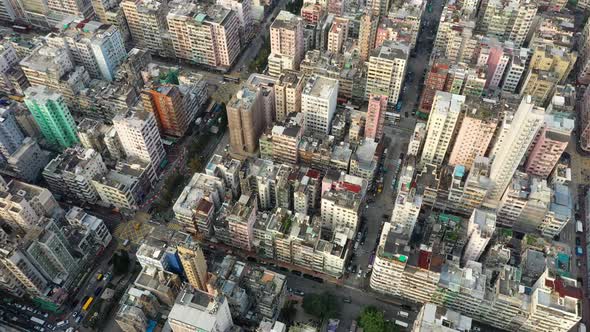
(515, 70)
(284, 139)
(445, 112)
(52, 116)
(167, 103)
(507, 20)
(20, 276)
(341, 209)
(243, 9)
(246, 121)
(386, 71)
(138, 133)
(53, 67)
(338, 34)
(375, 120)
(11, 137)
(288, 94)
(195, 310)
(455, 39)
(60, 9)
(22, 205)
(378, 7)
(480, 230)
(97, 46)
(527, 121)
(286, 38)
(552, 141)
(202, 187)
(205, 35)
(475, 133)
(70, 174)
(52, 253)
(367, 35)
(194, 265)
(12, 77)
(147, 24)
(435, 81)
(27, 162)
(318, 103)
(549, 66)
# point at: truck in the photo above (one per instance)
(579, 227)
(37, 320)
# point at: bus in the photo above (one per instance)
(37, 320)
(401, 323)
(20, 28)
(88, 303)
(232, 79)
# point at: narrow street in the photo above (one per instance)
(399, 136)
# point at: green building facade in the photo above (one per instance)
(52, 116)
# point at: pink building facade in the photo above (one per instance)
(473, 139)
(375, 117)
(547, 150)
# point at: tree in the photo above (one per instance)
(321, 306)
(195, 165)
(121, 262)
(288, 313)
(294, 7)
(261, 59)
(372, 320)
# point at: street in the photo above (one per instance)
(359, 300)
(399, 137)
(383, 204)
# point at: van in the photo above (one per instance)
(403, 314)
(60, 323)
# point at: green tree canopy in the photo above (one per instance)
(121, 262)
(321, 306)
(372, 320)
(288, 312)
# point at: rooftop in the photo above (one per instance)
(286, 20)
(72, 160)
(196, 309)
(200, 186)
(392, 50)
(46, 58)
(320, 87)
